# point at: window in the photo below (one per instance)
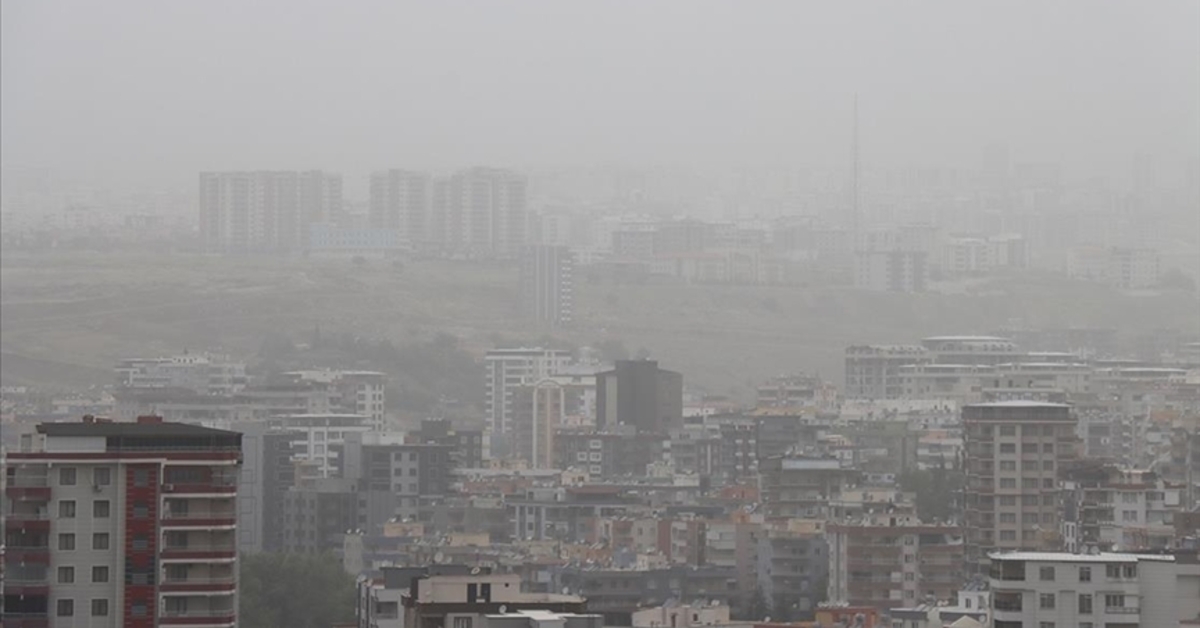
(1129, 516)
(1047, 465)
(100, 541)
(1029, 465)
(141, 477)
(1129, 571)
(100, 608)
(462, 622)
(99, 574)
(66, 476)
(1029, 500)
(1029, 483)
(1129, 498)
(100, 509)
(1047, 500)
(65, 608)
(1047, 448)
(140, 543)
(1008, 482)
(1046, 574)
(138, 609)
(909, 577)
(1008, 465)
(1045, 624)
(1008, 517)
(66, 575)
(1047, 482)
(1112, 570)
(1114, 600)
(177, 572)
(1008, 448)
(1008, 430)
(1048, 430)
(1085, 574)
(101, 476)
(1085, 604)
(412, 471)
(1008, 535)
(1086, 624)
(1029, 518)
(1046, 601)
(66, 509)
(66, 542)
(140, 510)
(1008, 500)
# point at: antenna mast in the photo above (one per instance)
(854, 217)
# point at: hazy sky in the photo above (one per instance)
(155, 91)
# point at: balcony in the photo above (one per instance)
(200, 519)
(217, 486)
(197, 617)
(199, 552)
(28, 488)
(28, 521)
(25, 620)
(198, 584)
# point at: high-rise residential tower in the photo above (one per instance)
(122, 524)
(547, 284)
(265, 212)
(400, 202)
(1013, 451)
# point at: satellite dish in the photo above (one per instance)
(566, 590)
(439, 557)
(475, 571)
(503, 609)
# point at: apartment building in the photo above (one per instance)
(637, 393)
(400, 203)
(874, 371)
(891, 271)
(356, 392)
(801, 486)
(122, 524)
(547, 284)
(505, 369)
(1112, 508)
(1013, 452)
(200, 373)
(886, 561)
(1100, 590)
(540, 408)
(265, 212)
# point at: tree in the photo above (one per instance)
(294, 591)
(937, 491)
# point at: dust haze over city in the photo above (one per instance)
(503, 314)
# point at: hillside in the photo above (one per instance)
(66, 317)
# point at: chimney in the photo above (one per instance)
(88, 418)
(147, 419)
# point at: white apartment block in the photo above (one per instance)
(265, 211)
(359, 392)
(1103, 590)
(321, 437)
(202, 373)
(1125, 268)
(505, 369)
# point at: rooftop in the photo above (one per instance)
(1067, 557)
(129, 429)
(1018, 403)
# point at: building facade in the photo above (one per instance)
(1013, 453)
(265, 212)
(547, 284)
(122, 524)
